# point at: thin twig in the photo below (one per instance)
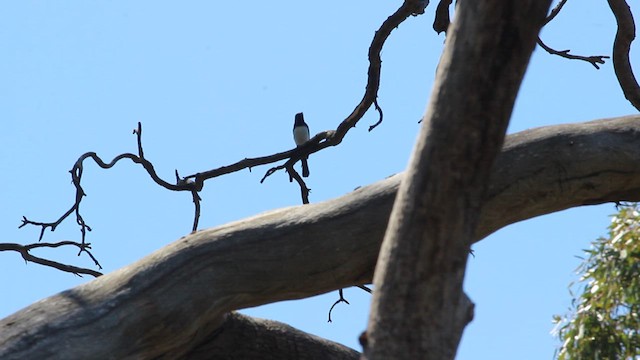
(380, 115)
(554, 12)
(593, 60)
(76, 178)
(341, 299)
(27, 256)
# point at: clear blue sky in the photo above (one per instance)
(214, 82)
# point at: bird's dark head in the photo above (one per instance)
(299, 119)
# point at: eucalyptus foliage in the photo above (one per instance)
(604, 321)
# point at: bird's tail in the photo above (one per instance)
(305, 168)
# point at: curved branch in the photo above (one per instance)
(375, 63)
(621, 47)
(76, 178)
(173, 294)
(194, 183)
(380, 115)
(329, 138)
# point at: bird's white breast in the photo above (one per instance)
(301, 135)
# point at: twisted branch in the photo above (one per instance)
(194, 183)
(76, 178)
(329, 138)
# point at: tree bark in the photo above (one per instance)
(244, 338)
(418, 309)
(170, 302)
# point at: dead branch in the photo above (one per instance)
(328, 138)
(194, 183)
(76, 179)
(593, 60)
(27, 256)
(621, 47)
(556, 10)
(340, 299)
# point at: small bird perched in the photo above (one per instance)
(301, 136)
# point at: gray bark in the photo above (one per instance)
(172, 301)
(244, 338)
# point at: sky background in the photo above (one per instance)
(215, 82)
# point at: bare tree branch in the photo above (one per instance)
(181, 293)
(593, 60)
(328, 138)
(621, 47)
(27, 256)
(340, 299)
(556, 10)
(194, 183)
(76, 178)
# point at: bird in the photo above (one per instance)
(301, 136)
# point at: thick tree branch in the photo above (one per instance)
(621, 47)
(173, 295)
(418, 309)
(243, 337)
